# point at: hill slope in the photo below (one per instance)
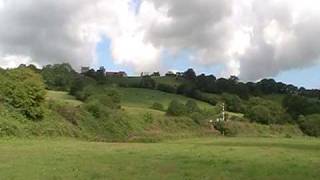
(137, 97)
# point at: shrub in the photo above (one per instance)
(233, 103)
(24, 90)
(266, 112)
(192, 106)
(97, 109)
(68, 112)
(310, 125)
(157, 106)
(260, 114)
(147, 82)
(166, 88)
(176, 108)
(187, 89)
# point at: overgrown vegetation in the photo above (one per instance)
(103, 106)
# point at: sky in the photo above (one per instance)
(252, 39)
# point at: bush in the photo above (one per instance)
(187, 89)
(147, 82)
(234, 103)
(192, 106)
(24, 90)
(97, 109)
(266, 112)
(166, 88)
(157, 106)
(79, 84)
(299, 105)
(260, 114)
(310, 125)
(176, 108)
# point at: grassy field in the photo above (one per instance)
(63, 96)
(208, 158)
(145, 98)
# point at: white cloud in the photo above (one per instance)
(13, 61)
(251, 38)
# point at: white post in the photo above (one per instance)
(223, 113)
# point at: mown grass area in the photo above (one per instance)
(136, 97)
(63, 97)
(208, 158)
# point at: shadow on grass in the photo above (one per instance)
(310, 147)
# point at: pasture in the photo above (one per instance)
(206, 158)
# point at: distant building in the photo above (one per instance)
(116, 74)
(85, 70)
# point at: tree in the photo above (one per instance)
(189, 75)
(234, 79)
(298, 105)
(58, 76)
(206, 83)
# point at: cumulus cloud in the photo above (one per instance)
(250, 38)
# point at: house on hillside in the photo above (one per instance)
(85, 70)
(116, 74)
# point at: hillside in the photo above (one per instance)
(137, 97)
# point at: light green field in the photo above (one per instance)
(209, 158)
(134, 97)
(63, 96)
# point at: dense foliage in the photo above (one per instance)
(299, 105)
(58, 76)
(22, 94)
(23, 90)
(310, 124)
(266, 112)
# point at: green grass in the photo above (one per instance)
(63, 97)
(135, 97)
(208, 158)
